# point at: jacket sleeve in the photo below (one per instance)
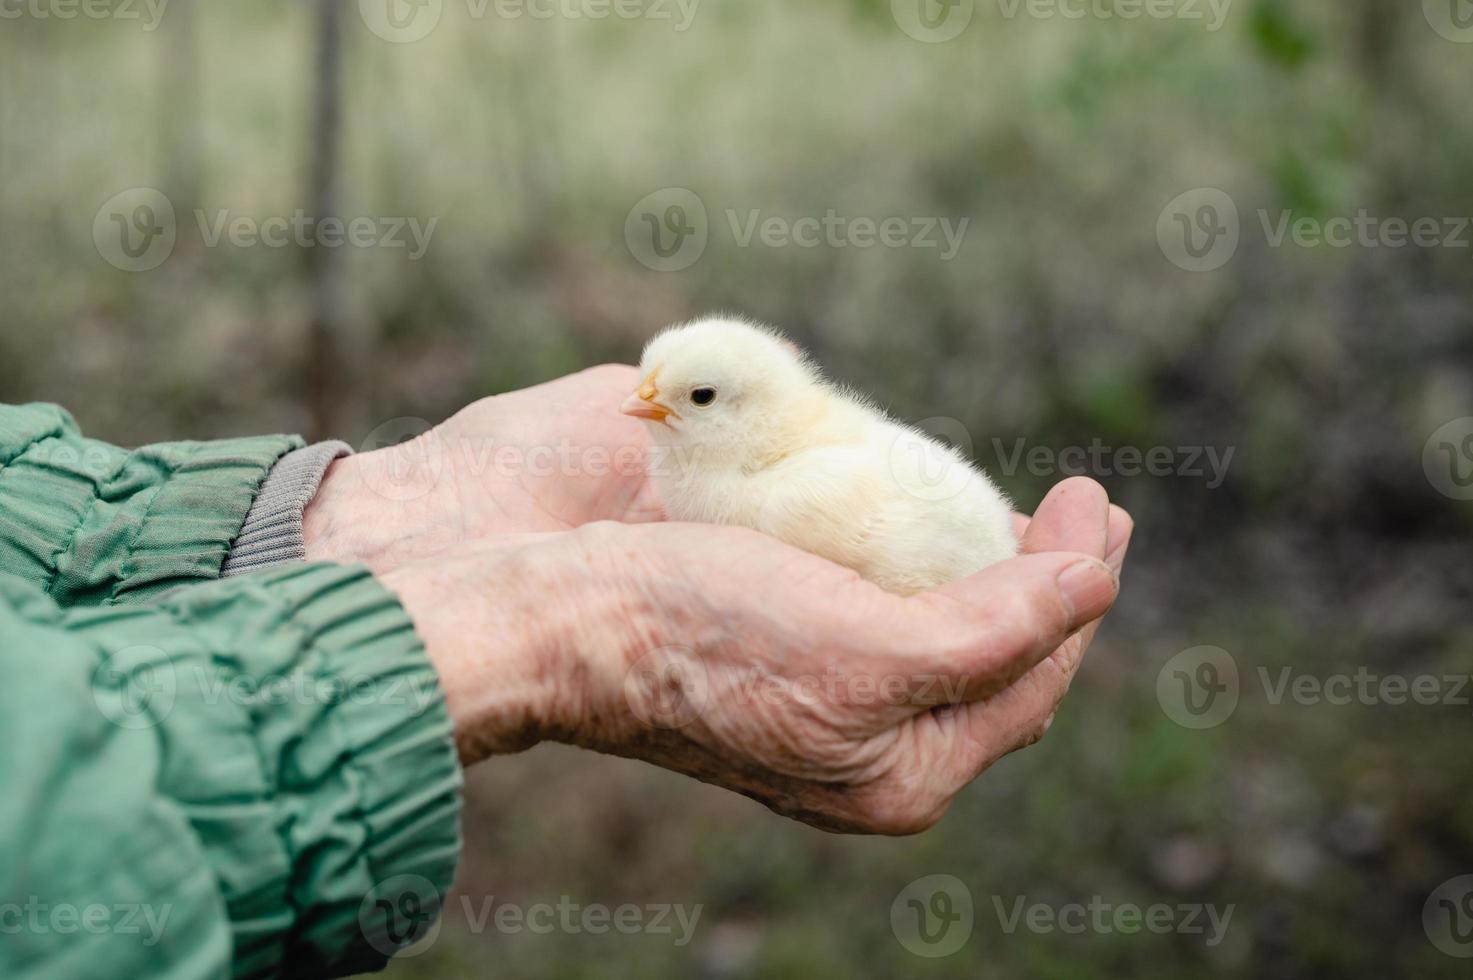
(91, 524)
(250, 777)
(253, 777)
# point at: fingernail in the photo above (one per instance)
(1089, 587)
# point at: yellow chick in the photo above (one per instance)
(746, 431)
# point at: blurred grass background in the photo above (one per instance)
(1059, 322)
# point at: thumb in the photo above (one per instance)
(992, 627)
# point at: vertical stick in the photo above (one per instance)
(326, 366)
(179, 125)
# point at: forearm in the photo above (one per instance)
(520, 630)
(246, 758)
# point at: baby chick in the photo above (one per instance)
(748, 432)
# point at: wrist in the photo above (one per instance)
(527, 636)
(380, 508)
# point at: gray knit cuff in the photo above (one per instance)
(272, 532)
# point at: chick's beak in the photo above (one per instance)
(642, 404)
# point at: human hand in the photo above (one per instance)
(727, 655)
(546, 458)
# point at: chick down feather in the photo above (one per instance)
(746, 431)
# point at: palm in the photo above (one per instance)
(747, 691)
(551, 457)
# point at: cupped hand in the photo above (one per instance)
(732, 657)
(551, 457)
(547, 458)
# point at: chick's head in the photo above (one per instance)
(726, 386)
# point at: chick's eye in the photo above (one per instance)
(703, 395)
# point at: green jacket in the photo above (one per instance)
(251, 776)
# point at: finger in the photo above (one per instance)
(980, 634)
(1018, 716)
(984, 731)
(1020, 525)
(1074, 516)
(1117, 538)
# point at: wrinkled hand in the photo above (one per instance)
(728, 655)
(547, 458)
